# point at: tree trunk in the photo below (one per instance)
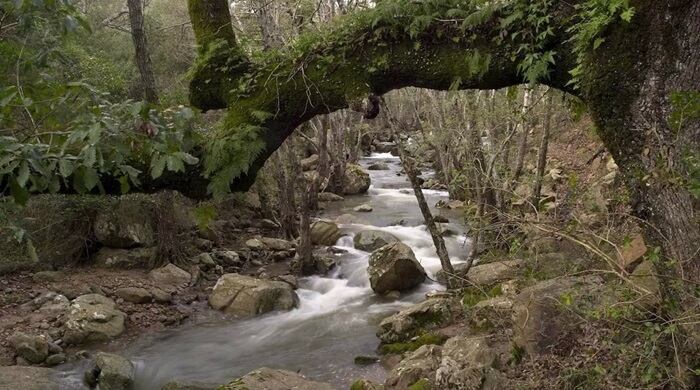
(542, 153)
(143, 57)
(522, 145)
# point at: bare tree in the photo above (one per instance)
(143, 57)
(542, 156)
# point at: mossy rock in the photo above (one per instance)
(399, 348)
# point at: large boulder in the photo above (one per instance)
(277, 244)
(468, 363)
(418, 368)
(128, 224)
(415, 320)
(356, 180)
(384, 147)
(329, 197)
(178, 384)
(370, 240)
(394, 267)
(33, 348)
(324, 233)
(125, 258)
(170, 277)
(486, 274)
(28, 378)
(544, 315)
(111, 372)
(245, 296)
(379, 166)
(134, 294)
(271, 379)
(92, 318)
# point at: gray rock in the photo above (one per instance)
(245, 296)
(33, 348)
(56, 359)
(419, 365)
(394, 267)
(271, 379)
(125, 258)
(465, 363)
(255, 244)
(170, 277)
(363, 208)
(57, 305)
(370, 240)
(329, 197)
(113, 372)
(378, 167)
(28, 378)
(205, 260)
(129, 224)
(290, 280)
(324, 233)
(415, 320)
(226, 257)
(356, 180)
(93, 318)
(486, 275)
(160, 296)
(277, 244)
(134, 294)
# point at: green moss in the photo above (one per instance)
(399, 348)
(421, 384)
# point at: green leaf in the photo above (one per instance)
(598, 42)
(157, 167)
(90, 178)
(65, 167)
(187, 158)
(124, 186)
(23, 173)
(19, 193)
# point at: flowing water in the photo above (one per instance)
(338, 314)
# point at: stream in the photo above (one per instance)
(338, 314)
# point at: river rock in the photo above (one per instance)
(28, 378)
(48, 276)
(125, 258)
(415, 320)
(329, 197)
(384, 147)
(420, 365)
(58, 304)
(370, 240)
(55, 359)
(134, 294)
(33, 348)
(277, 244)
(363, 208)
(324, 233)
(486, 274)
(394, 267)
(126, 225)
(170, 277)
(467, 363)
(255, 244)
(380, 166)
(112, 372)
(226, 257)
(541, 321)
(93, 318)
(271, 379)
(245, 296)
(205, 260)
(356, 180)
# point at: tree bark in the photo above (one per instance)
(143, 57)
(542, 152)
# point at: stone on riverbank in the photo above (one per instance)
(324, 233)
(111, 372)
(415, 320)
(33, 348)
(271, 379)
(170, 277)
(93, 318)
(371, 240)
(487, 274)
(245, 296)
(394, 267)
(356, 180)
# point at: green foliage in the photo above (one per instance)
(421, 384)
(588, 33)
